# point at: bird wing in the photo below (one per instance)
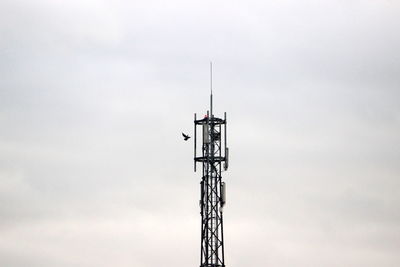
(184, 135)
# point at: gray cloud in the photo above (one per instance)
(94, 96)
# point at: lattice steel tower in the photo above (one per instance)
(214, 154)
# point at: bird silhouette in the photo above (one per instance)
(185, 136)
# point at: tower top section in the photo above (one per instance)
(213, 134)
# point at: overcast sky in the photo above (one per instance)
(94, 96)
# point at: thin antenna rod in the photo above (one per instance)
(211, 95)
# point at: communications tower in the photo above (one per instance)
(214, 159)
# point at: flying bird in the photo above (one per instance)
(185, 136)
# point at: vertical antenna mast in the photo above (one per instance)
(211, 95)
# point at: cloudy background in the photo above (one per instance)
(94, 96)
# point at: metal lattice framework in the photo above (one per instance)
(212, 197)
